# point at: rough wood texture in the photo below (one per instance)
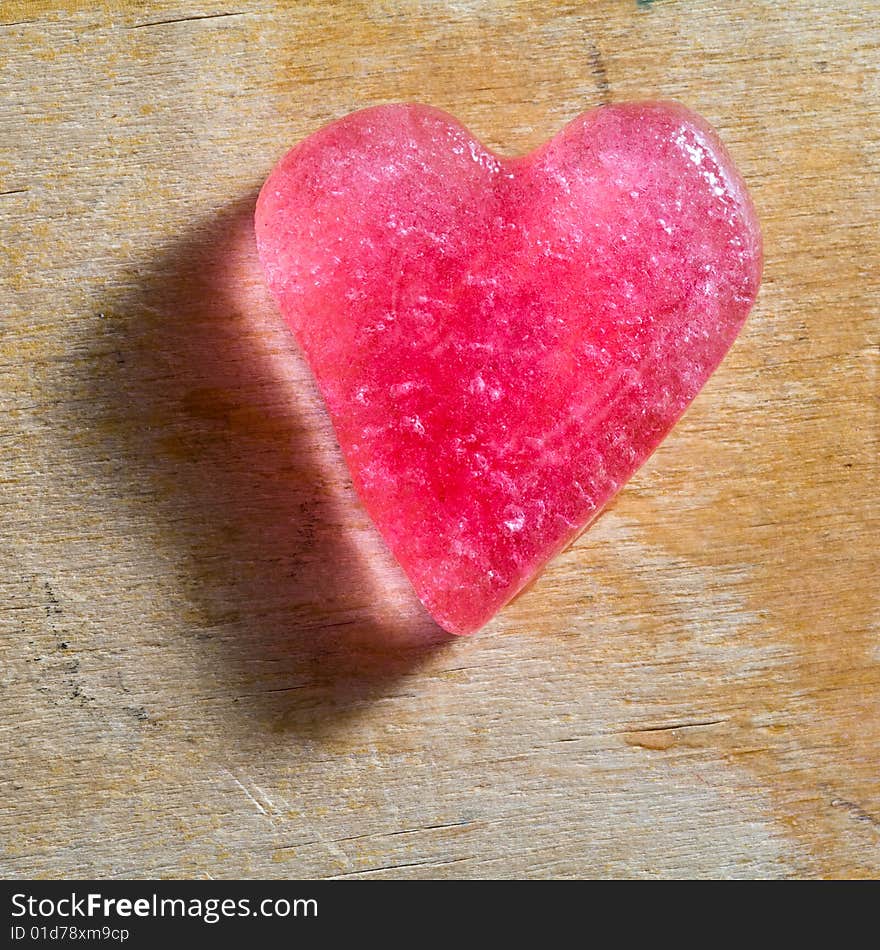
(210, 667)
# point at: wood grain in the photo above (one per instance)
(209, 665)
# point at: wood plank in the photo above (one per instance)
(209, 665)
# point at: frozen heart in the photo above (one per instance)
(502, 342)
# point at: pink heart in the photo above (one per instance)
(502, 342)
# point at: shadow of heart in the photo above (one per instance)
(221, 436)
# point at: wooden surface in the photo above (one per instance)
(208, 664)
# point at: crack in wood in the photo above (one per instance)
(398, 867)
(676, 725)
(856, 812)
(373, 834)
(184, 19)
(600, 73)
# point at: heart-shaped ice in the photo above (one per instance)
(502, 342)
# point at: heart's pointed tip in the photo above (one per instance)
(459, 632)
(459, 615)
(460, 628)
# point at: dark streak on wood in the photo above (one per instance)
(677, 725)
(378, 834)
(398, 867)
(600, 73)
(184, 19)
(856, 812)
(437, 827)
